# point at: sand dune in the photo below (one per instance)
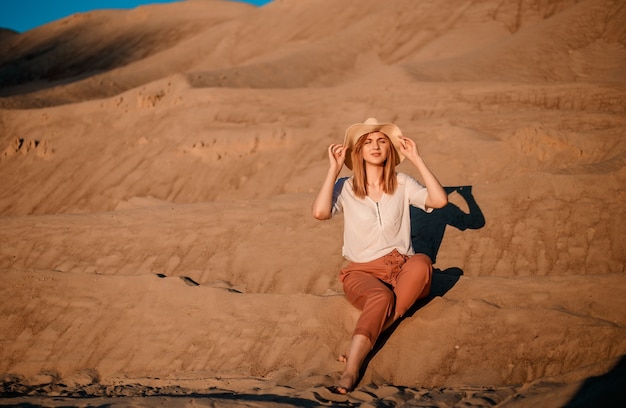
(157, 168)
(583, 42)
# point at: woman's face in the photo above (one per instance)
(376, 148)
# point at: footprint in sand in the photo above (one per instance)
(221, 284)
(189, 281)
(185, 279)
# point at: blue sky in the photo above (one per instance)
(22, 15)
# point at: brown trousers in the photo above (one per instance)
(385, 287)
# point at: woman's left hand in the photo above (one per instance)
(408, 148)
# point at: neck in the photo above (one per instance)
(374, 176)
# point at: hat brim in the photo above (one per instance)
(354, 133)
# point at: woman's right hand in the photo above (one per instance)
(336, 156)
(322, 206)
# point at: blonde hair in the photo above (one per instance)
(390, 181)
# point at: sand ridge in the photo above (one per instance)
(158, 165)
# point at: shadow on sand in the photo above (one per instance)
(605, 390)
(427, 232)
(71, 55)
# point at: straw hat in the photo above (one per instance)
(354, 132)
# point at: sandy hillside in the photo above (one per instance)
(157, 168)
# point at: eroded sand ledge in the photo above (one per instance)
(155, 231)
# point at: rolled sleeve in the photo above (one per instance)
(416, 193)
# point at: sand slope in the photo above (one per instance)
(157, 168)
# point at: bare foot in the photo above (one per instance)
(359, 347)
(346, 383)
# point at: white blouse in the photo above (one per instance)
(374, 229)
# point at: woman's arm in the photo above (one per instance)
(322, 206)
(437, 197)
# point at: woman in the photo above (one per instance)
(384, 277)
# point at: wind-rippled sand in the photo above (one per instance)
(157, 168)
